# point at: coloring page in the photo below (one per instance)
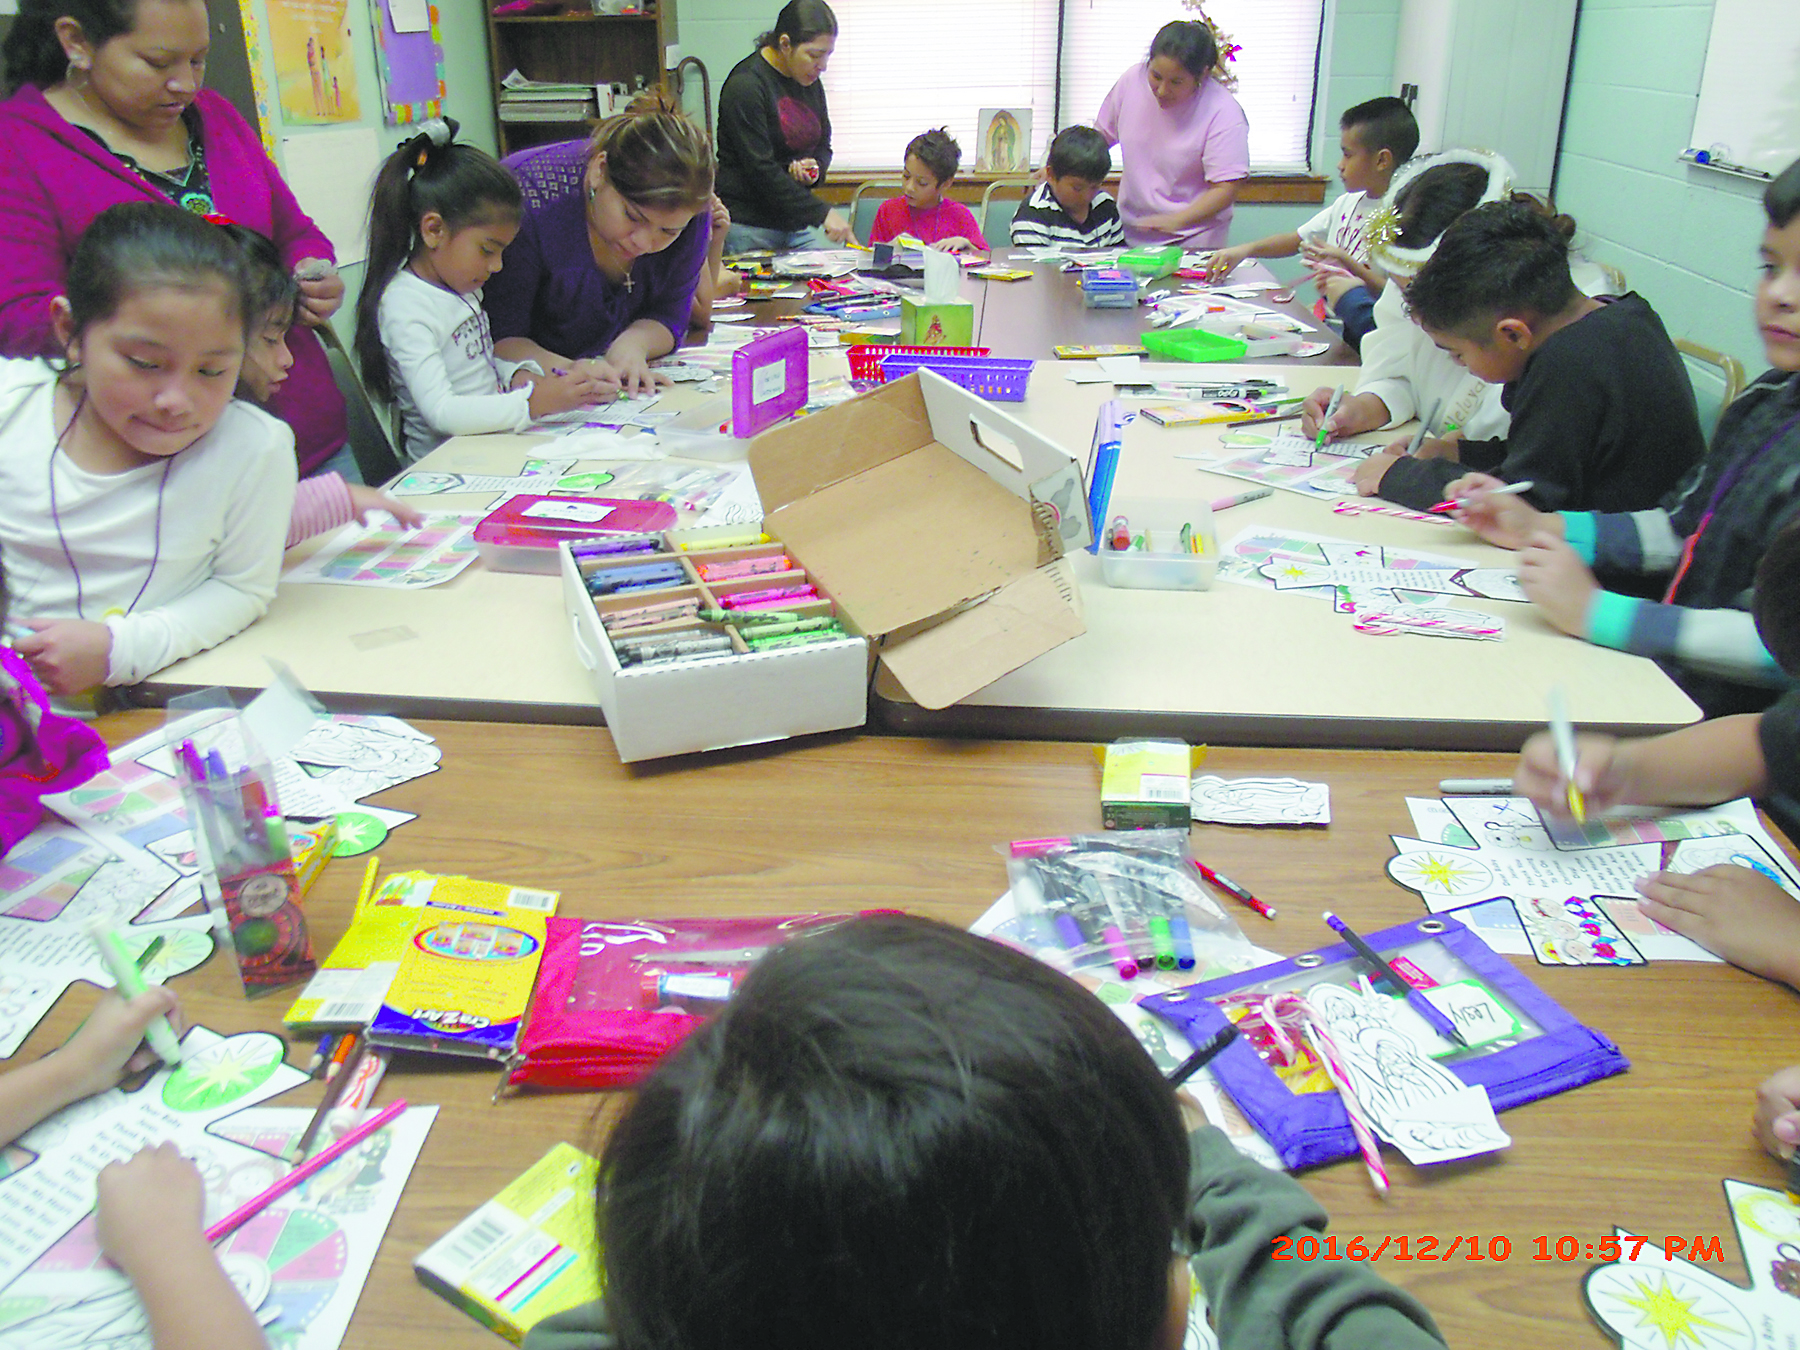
(1417, 1105)
(1319, 476)
(1260, 801)
(1357, 576)
(1448, 878)
(533, 476)
(48, 1195)
(1574, 932)
(300, 1264)
(40, 960)
(57, 869)
(1650, 1298)
(1516, 820)
(387, 555)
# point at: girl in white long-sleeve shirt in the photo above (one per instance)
(440, 217)
(142, 511)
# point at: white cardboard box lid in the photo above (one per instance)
(946, 661)
(917, 499)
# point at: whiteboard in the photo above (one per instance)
(1749, 108)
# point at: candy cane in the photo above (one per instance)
(1387, 623)
(1277, 1013)
(1348, 508)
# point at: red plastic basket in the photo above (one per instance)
(999, 378)
(865, 357)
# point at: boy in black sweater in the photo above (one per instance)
(1603, 416)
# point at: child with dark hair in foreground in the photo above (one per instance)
(904, 1137)
(1603, 414)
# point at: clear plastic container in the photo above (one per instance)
(1165, 566)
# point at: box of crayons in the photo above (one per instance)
(918, 519)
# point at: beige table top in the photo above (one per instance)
(1644, 1150)
(1241, 665)
(1228, 664)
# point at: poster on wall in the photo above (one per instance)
(315, 66)
(410, 64)
(259, 85)
(1004, 140)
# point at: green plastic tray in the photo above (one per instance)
(1192, 344)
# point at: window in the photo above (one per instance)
(900, 69)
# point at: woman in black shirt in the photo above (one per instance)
(774, 138)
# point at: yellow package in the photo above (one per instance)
(525, 1255)
(466, 969)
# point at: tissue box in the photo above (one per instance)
(942, 323)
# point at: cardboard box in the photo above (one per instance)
(948, 323)
(932, 522)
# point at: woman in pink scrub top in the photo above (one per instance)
(1186, 141)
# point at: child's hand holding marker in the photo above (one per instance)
(1602, 774)
(67, 655)
(1326, 431)
(1496, 513)
(1353, 414)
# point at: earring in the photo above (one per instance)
(593, 193)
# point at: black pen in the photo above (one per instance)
(1202, 1056)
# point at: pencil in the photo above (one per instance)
(334, 1089)
(326, 1156)
(339, 1054)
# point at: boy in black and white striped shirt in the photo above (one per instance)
(1069, 209)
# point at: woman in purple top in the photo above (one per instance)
(603, 269)
(106, 107)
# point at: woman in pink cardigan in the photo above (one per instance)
(106, 108)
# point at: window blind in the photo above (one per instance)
(900, 69)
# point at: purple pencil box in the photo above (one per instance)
(768, 381)
(1546, 1052)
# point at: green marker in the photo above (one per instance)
(128, 980)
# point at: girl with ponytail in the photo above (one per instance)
(441, 215)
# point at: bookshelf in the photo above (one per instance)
(576, 47)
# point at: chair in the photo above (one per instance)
(1714, 389)
(369, 440)
(996, 216)
(861, 224)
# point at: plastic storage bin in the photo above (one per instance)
(999, 378)
(1164, 568)
(1192, 344)
(865, 357)
(1108, 288)
(1147, 264)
